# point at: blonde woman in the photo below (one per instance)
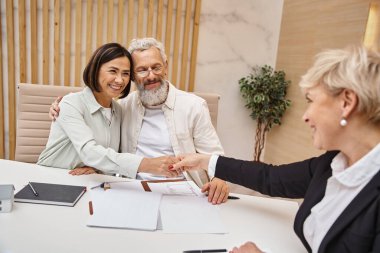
(341, 188)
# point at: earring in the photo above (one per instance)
(343, 122)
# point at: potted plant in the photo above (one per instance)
(264, 92)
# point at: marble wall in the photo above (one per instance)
(234, 36)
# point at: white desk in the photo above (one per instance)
(44, 228)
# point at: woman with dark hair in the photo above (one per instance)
(87, 133)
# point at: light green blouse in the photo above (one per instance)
(82, 136)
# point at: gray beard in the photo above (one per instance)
(154, 97)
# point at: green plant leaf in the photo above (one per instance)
(264, 92)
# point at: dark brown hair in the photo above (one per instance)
(104, 54)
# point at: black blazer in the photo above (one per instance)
(357, 229)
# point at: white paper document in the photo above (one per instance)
(190, 214)
(187, 188)
(149, 176)
(120, 208)
(178, 207)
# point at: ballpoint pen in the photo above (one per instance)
(205, 251)
(107, 185)
(33, 190)
(104, 185)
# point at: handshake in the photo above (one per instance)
(216, 188)
(171, 166)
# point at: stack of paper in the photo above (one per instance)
(124, 209)
(181, 206)
(183, 188)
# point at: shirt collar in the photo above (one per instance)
(91, 102)
(360, 172)
(170, 100)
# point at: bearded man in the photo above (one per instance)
(162, 120)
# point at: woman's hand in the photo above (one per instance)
(160, 166)
(85, 170)
(248, 247)
(54, 109)
(191, 162)
(217, 189)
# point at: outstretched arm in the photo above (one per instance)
(192, 162)
(91, 153)
(156, 166)
(159, 166)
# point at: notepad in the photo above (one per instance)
(51, 194)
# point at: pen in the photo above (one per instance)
(107, 185)
(33, 190)
(233, 197)
(204, 250)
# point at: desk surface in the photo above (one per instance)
(44, 228)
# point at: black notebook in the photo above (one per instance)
(50, 194)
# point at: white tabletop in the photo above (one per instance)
(44, 228)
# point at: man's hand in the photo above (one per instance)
(191, 162)
(218, 191)
(85, 170)
(54, 109)
(248, 247)
(159, 166)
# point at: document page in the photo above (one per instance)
(188, 188)
(119, 208)
(190, 214)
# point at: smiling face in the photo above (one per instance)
(149, 60)
(113, 78)
(322, 116)
(150, 71)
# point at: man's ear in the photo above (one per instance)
(349, 102)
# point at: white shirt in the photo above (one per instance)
(342, 187)
(107, 113)
(188, 122)
(212, 165)
(82, 136)
(154, 137)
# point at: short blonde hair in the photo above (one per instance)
(146, 43)
(355, 68)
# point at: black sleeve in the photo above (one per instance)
(288, 180)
